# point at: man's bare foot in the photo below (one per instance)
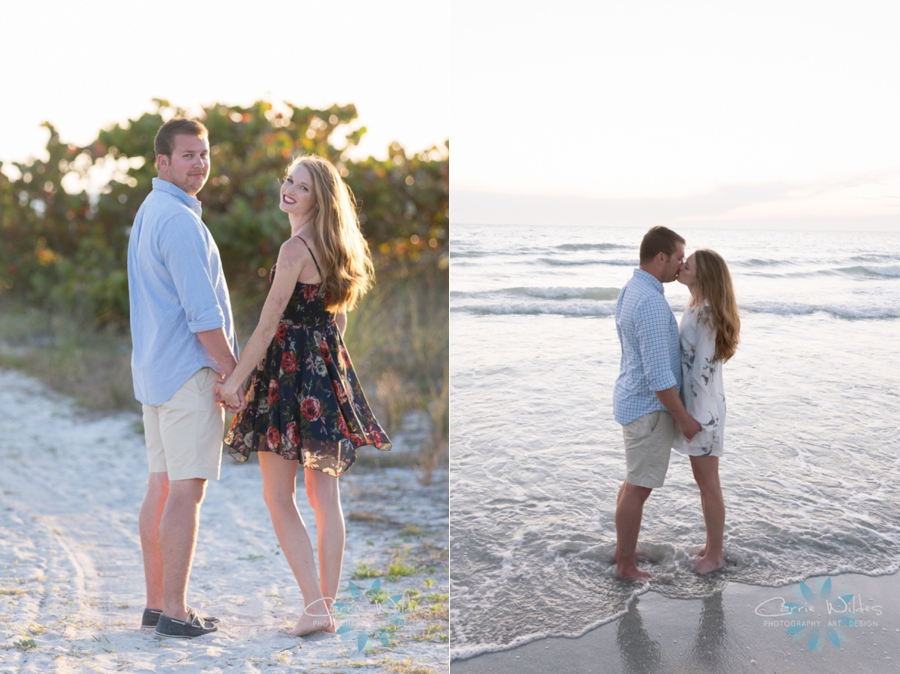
(632, 573)
(308, 624)
(707, 564)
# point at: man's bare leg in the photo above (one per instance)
(148, 525)
(706, 473)
(629, 512)
(177, 540)
(616, 553)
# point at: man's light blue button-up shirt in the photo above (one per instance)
(651, 351)
(176, 288)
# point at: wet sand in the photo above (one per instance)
(724, 634)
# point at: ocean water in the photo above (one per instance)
(811, 470)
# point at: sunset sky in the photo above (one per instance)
(87, 65)
(765, 114)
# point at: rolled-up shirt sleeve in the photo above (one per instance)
(188, 258)
(654, 336)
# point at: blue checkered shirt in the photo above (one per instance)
(651, 352)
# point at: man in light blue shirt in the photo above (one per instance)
(646, 398)
(184, 342)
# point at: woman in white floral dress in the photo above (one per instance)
(710, 331)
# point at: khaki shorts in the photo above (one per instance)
(184, 434)
(648, 444)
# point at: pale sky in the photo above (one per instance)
(86, 65)
(783, 113)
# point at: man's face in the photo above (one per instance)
(188, 167)
(673, 264)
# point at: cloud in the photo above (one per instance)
(862, 201)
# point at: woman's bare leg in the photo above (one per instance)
(706, 544)
(279, 492)
(706, 473)
(324, 496)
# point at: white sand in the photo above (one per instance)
(71, 579)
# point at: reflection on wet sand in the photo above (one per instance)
(708, 652)
(641, 654)
(663, 635)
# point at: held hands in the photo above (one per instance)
(687, 424)
(689, 428)
(231, 396)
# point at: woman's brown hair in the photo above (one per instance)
(344, 259)
(714, 284)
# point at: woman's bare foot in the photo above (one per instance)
(308, 624)
(708, 564)
(317, 617)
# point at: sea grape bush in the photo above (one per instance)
(65, 244)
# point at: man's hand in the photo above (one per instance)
(686, 423)
(230, 397)
(689, 427)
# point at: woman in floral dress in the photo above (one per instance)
(303, 402)
(710, 332)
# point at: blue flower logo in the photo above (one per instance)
(838, 608)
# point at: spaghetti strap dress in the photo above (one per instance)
(304, 401)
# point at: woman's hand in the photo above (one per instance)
(231, 396)
(291, 259)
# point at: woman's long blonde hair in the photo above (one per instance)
(344, 258)
(713, 282)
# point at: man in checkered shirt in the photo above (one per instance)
(646, 400)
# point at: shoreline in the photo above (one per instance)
(741, 628)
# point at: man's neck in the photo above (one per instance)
(653, 271)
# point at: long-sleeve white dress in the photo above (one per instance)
(702, 389)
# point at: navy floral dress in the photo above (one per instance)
(304, 401)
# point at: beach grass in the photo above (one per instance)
(398, 338)
(398, 566)
(365, 570)
(69, 353)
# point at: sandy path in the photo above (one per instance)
(71, 583)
